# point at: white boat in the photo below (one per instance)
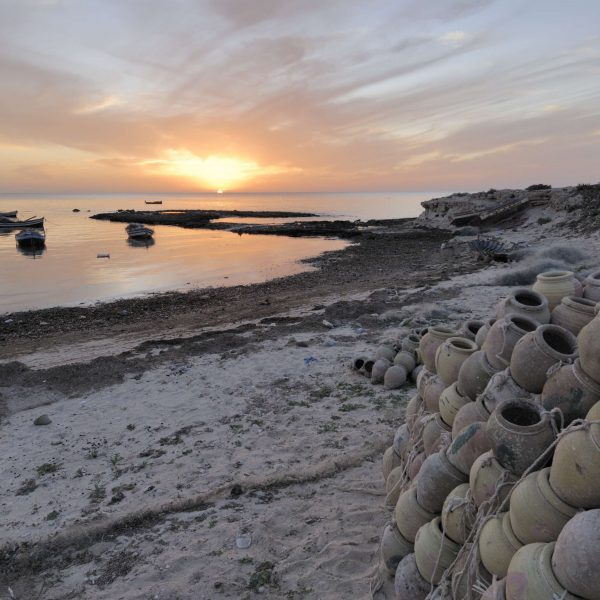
(31, 238)
(9, 223)
(12, 214)
(137, 231)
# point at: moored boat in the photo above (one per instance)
(31, 238)
(9, 223)
(11, 214)
(137, 231)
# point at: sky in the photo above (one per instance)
(298, 95)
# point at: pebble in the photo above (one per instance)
(42, 420)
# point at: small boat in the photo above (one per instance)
(137, 231)
(31, 238)
(153, 201)
(8, 223)
(11, 214)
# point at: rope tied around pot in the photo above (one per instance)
(488, 509)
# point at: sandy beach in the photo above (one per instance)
(215, 444)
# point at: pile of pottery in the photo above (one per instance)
(495, 474)
(392, 365)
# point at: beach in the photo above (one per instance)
(217, 443)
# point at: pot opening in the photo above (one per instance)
(369, 365)
(528, 298)
(462, 344)
(558, 341)
(582, 301)
(358, 363)
(595, 275)
(553, 274)
(521, 414)
(523, 324)
(414, 338)
(474, 326)
(442, 330)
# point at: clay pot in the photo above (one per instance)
(458, 514)
(437, 478)
(470, 328)
(464, 580)
(498, 544)
(358, 363)
(471, 442)
(539, 350)
(386, 352)
(430, 390)
(502, 337)
(451, 355)
(433, 433)
(572, 391)
(430, 342)
(577, 554)
(393, 548)
(594, 413)
(530, 575)
(367, 368)
(574, 313)
(591, 288)
(575, 470)
(500, 388)
(434, 551)
(393, 485)
(415, 465)
(408, 582)
(406, 360)
(555, 285)
(390, 461)
(483, 331)
(474, 375)
(394, 377)
(410, 343)
(379, 368)
(488, 478)
(450, 403)
(413, 408)
(410, 515)
(525, 303)
(589, 349)
(537, 514)
(519, 432)
(415, 373)
(473, 412)
(401, 443)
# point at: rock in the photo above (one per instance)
(42, 420)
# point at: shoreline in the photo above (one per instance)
(374, 260)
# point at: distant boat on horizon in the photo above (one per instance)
(153, 201)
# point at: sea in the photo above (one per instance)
(69, 272)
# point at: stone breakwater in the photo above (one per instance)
(494, 477)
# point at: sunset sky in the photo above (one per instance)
(298, 95)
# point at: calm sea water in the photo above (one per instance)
(68, 271)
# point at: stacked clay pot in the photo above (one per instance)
(574, 313)
(450, 356)
(525, 303)
(555, 285)
(591, 288)
(536, 352)
(430, 342)
(480, 481)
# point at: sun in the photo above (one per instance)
(214, 171)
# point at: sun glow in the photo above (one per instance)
(216, 172)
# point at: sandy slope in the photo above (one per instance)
(140, 488)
